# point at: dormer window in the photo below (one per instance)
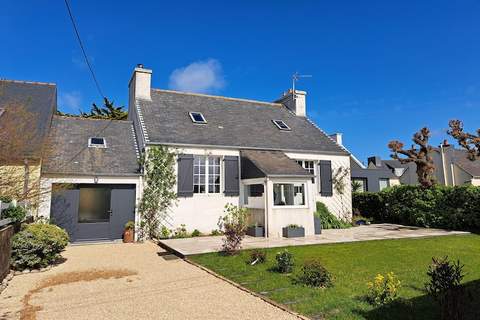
(197, 117)
(281, 125)
(97, 142)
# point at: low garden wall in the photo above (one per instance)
(455, 208)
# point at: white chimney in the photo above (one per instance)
(337, 137)
(140, 84)
(295, 102)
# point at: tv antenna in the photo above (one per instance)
(296, 77)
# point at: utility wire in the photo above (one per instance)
(83, 50)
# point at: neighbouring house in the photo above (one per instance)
(91, 179)
(374, 177)
(452, 168)
(266, 156)
(26, 110)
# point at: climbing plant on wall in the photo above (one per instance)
(158, 194)
(340, 179)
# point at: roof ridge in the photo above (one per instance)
(29, 82)
(89, 119)
(218, 97)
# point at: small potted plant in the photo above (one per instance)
(129, 232)
(256, 230)
(293, 231)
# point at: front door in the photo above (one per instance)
(94, 213)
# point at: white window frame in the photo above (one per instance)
(305, 190)
(277, 121)
(204, 121)
(380, 186)
(94, 145)
(206, 175)
(364, 183)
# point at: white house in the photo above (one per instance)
(268, 157)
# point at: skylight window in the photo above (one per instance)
(281, 125)
(97, 142)
(197, 117)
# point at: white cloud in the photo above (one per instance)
(70, 100)
(201, 77)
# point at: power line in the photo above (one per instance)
(83, 50)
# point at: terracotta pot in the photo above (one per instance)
(128, 236)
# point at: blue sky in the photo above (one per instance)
(381, 70)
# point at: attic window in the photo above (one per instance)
(97, 142)
(197, 117)
(281, 125)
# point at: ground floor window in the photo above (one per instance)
(383, 183)
(359, 184)
(289, 194)
(206, 174)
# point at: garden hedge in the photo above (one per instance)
(456, 208)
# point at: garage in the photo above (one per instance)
(93, 212)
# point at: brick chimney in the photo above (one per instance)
(337, 137)
(294, 101)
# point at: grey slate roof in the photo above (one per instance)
(471, 167)
(71, 154)
(38, 99)
(232, 122)
(274, 163)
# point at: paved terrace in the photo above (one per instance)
(190, 246)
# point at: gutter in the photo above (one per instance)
(246, 148)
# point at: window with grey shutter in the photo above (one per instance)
(185, 175)
(232, 184)
(325, 167)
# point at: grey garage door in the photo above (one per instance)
(93, 212)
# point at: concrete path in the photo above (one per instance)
(128, 281)
(199, 245)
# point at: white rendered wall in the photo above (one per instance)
(338, 204)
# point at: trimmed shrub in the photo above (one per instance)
(196, 233)
(257, 256)
(328, 220)
(437, 207)
(37, 246)
(445, 286)
(17, 214)
(285, 261)
(314, 274)
(383, 289)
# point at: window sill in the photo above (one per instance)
(290, 207)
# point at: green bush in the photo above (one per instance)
(17, 214)
(328, 220)
(6, 199)
(445, 286)
(164, 232)
(314, 274)
(216, 232)
(257, 256)
(437, 207)
(180, 232)
(196, 233)
(285, 261)
(37, 246)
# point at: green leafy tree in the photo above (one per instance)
(159, 193)
(421, 156)
(468, 141)
(107, 111)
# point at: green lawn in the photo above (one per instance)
(353, 264)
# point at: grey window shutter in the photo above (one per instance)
(326, 178)
(185, 175)
(232, 184)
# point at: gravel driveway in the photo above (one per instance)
(128, 281)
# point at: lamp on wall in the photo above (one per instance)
(95, 179)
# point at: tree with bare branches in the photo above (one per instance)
(468, 141)
(421, 156)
